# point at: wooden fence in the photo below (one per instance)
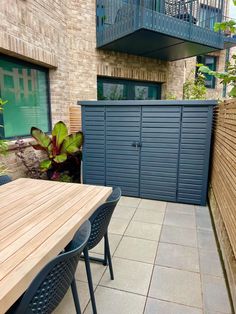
(75, 118)
(223, 177)
(223, 186)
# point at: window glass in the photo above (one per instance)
(209, 16)
(209, 61)
(113, 89)
(25, 87)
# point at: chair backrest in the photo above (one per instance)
(101, 218)
(5, 179)
(51, 284)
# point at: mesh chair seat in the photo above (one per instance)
(51, 284)
(5, 179)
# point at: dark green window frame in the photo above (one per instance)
(129, 88)
(44, 72)
(211, 62)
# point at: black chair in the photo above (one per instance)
(5, 179)
(51, 284)
(99, 225)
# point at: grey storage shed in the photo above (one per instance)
(151, 149)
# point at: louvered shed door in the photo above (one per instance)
(94, 145)
(159, 152)
(122, 155)
(194, 154)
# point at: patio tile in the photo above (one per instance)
(118, 225)
(155, 306)
(144, 230)
(96, 269)
(202, 210)
(206, 240)
(181, 208)
(178, 256)
(177, 235)
(124, 212)
(129, 201)
(114, 240)
(129, 275)
(175, 285)
(116, 302)
(149, 215)
(210, 263)
(203, 221)
(137, 249)
(67, 304)
(215, 296)
(179, 220)
(151, 204)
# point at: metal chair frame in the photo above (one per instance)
(99, 230)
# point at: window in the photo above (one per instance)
(209, 61)
(114, 89)
(209, 16)
(25, 87)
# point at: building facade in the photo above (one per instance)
(49, 60)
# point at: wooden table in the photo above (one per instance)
(38, 219)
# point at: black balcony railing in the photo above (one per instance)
(186, 20)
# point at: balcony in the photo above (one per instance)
(165, 29)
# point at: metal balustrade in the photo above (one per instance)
(186, 20)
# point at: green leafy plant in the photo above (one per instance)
(195, 88)
(170, 96)
(62, 151)
(229, 76)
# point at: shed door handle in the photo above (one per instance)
(136, 144)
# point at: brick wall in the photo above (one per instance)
(61, 35)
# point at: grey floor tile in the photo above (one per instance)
(206, 240)
(97, 270)
(67, 304)
(118, 225)
(129, 201)
(202, 210)
(177, 235)
(179, 220)
(137, 249)
(124, 212)
(176, 286)
(149, 215)
(203, 222)
(215, 296)
(152, 204)
(114, 240)
(144, 230)
(117, 302)
(178, 256)
(155, 306)
(210, 263)
(181, 208)
(129, 275)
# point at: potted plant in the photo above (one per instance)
(63, 151)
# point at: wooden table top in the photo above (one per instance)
(38, 219)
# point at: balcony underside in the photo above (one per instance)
(148, 43)
(156, 35)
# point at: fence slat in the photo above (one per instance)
(223, 177)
